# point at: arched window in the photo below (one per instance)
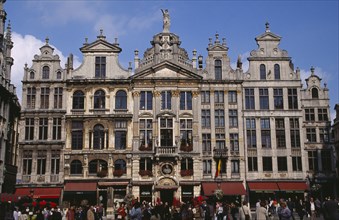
(262, 71)
(31, 75)
(78, 100)
(217, 69)
(45, 72)
(76, 167)
(276, 71)
(120, 165)
(98, 137)
(121, 100)
(58, 75)
(96, 166)
(315, 94)
(99, 99)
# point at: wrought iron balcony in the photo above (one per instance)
(220, 153)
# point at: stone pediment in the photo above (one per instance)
(166, 70)
(268, 36)
(101, 46)
(217, 47)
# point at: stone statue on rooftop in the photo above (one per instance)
(166, 21)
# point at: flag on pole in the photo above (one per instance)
(218, 169)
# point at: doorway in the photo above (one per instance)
(167, 196)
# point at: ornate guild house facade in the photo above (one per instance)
(174, 127)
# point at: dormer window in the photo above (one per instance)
(276, 71)
(262, 71)
(217, 69)
(100, 67)
(45, 72)
(58, 75)
(315, 94)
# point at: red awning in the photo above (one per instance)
(233, 188)
(228, 188)
(39, 192)
(84, 187)
(292, 186)
(263, 186)
(7, 197)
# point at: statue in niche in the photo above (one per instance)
(166, 21)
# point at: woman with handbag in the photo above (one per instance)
(244, 212)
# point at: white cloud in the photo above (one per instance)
(25, 47)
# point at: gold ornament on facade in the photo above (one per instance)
(136, 93)
(195, 94)
(157, 93)
(175, 93)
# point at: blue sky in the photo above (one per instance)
(309, 29)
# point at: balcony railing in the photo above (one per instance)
(223, 152)
(168, 151)
(26, 178)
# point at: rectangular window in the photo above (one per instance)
(278, 98)
(263, 98)
(311, 135)
(207, 164)
(44, 98)
(185, 100)
(186, 134)
(313, 160)
(41, 162)
(232, 97)
(100, 67)
(29, 129)
(326, 160)
(58, 98)
(265, 133)
(234, 142)
(77, 135)
(295, 132)
(146, 100)
(146, 164)
(205, 97)
(267, 163)
(252, 164)
(220, 141)
(249, 99)
(233, 118)
(145, 132)
(55, 162)
(282, 164)
(280, 132)
(27, 162)
(292, 99)
(296, 164)
(235, 166)
(56, 128)
(166, 132)
(251, 133)
(323, 134)
(43, 128)
(219, 116)
(218, 97)
(205, 118)
(309, 114)
(322, 114)
(31, 93)
(206, 143)
(120, 140)
(166, 100)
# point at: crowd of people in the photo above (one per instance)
(284, 209)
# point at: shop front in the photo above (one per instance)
(230, 191)
(80, 193)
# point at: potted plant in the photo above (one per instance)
(119, 173)
(145, 173)
(186, 172)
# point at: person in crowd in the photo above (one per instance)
(70, 214)
(205, 211)
(39, 215)
(136, 213)
(121, 212)
(234, 210)
(300, 208)
(261, 212)
(244, 211)
(331, 209)
(90, 213)
(291, 206)
(284, 212)
(16, 213)
(311, 208)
